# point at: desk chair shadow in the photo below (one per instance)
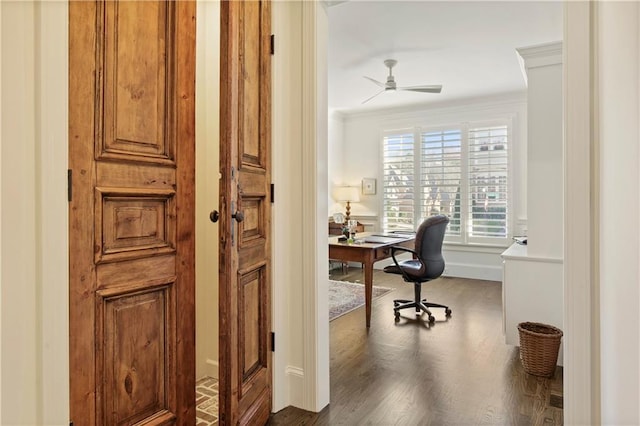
(427, 265)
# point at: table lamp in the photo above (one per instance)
(347, 194)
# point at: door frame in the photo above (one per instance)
(582, 383)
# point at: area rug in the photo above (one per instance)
(344, 297)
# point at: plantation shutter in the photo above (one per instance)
(398, 181)
(459, 171)
(440, 172)
(487, 180)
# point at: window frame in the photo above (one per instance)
(465, 237)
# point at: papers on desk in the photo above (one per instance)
(383, 239)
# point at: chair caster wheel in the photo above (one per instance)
(396, 304)
(447, 312)
(432, 319)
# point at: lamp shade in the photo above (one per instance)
(346, 193)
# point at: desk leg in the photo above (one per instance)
(368, 288)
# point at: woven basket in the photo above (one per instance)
(539, 345)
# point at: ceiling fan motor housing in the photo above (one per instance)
(391, 83)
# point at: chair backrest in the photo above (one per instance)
(429, 237)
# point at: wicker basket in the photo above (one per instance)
(539, 345)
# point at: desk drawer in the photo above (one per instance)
(382, 253)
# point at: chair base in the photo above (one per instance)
(420, 306)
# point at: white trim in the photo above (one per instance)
(1, 240)
(581, 313)
(294, 371)
(472, 271)
(315, 321)
(211, 368)
(475, 248)
(484, 103)
(540, 55)
(296, 379)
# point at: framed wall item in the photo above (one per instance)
(368, 186)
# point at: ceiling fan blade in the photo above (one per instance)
(368, 99)
(424, 89)
(374, 81)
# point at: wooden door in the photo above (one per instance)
(131, 235)
(245, 204)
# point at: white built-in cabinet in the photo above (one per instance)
(532, 274)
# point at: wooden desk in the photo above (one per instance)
(367, 254)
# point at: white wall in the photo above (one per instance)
(618, 80)
(19, 290)
(207, 187)
(360, 155)
(336, 160)
(34, 279)
(288, 363)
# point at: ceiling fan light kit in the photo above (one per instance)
(390, 85)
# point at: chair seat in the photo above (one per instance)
(412, 268)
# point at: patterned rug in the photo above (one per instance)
(344, 297)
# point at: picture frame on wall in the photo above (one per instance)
(368, 186)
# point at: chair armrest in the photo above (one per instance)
(406, 250)
(400, 248)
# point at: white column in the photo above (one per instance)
(581, 313)
(543, 64)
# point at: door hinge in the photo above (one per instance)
(272, 192)
(273, 341)
(273, 44)
(69, 185)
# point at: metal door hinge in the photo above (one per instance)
(273, 44)
(272, 191)
(273, 341)
(69, 185)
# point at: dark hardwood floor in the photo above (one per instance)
(458, 371)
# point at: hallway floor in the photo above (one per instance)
(207, 402)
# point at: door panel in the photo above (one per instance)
(136, 64)
(245, 256)
(135, 358)
(131, 154)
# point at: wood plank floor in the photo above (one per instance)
(459, 371)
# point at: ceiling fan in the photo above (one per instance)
(390, 85)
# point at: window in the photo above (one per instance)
(460, 171)
(398, 187)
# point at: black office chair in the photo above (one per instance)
(427, 265)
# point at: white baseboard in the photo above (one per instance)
(461, 270)
(296, 385)
(473, 271)
(211, 368)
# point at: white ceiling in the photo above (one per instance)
(467, 46)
